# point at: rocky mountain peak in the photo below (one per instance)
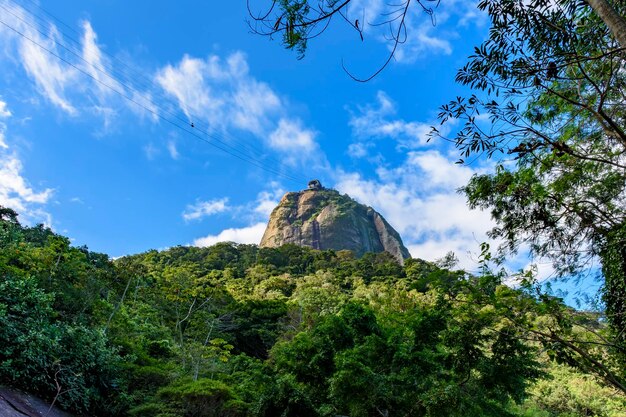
(322, 218)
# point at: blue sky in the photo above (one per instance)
(97, 99)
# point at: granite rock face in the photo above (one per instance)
(324, 219)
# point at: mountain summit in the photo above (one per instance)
(322, 218)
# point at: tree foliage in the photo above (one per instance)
(548, 105)
(550, 81)
(298, 21)
(235, 330)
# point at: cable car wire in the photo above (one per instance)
(106, 72)
(224, 148)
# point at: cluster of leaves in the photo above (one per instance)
(302, 20)
(570, 394)
(237, 330)
(550, 80)
(50, 304)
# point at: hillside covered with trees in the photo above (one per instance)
(234, 330)
(238, 330)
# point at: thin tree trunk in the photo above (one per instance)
(601, 370)
(615, 22)
(118, 305)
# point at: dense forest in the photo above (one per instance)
(235, 330)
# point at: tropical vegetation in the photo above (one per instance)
(237, 330)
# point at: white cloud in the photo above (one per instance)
(4, 111)
(96, 64)
(3, 144)
(379, 120)
(359, 149)
(108, 115)
(70, 87)
(220, 92)
(203, 209)
(250, 234)
(291, 136)
(429, 170)
(15, 190)
(297, 144)
(151, 151)
(142, 104)
(171, 148)
(217, 94)
(420, 201)
(425, 36)
(101, 83)
(253, 101)
(465, 249)
(78, 80)
(267, 200)
(428, 36)
(424, 39)
(256, 213)
(50, 75)
(186, 83)
(367, 11)
(4, 114)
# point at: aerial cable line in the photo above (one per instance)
(244, 158)
(183, 120)
(149, 84)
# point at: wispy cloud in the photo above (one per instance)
(186, 83)
(425, 35)
(71, 77)
(256, 213)
(249, 234)
(424, 38)
(419, 199)
(297, 143)
(173, 151)
(4, 111)
(96, 64)
(379, 120)
(203, 209)
(266, 201)
(4, 114)
(151, 151)
(51, 76)
(359, 149)
(291, 135)
(15, 190)
(26, 40)
(437, 35)
(220, 92)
